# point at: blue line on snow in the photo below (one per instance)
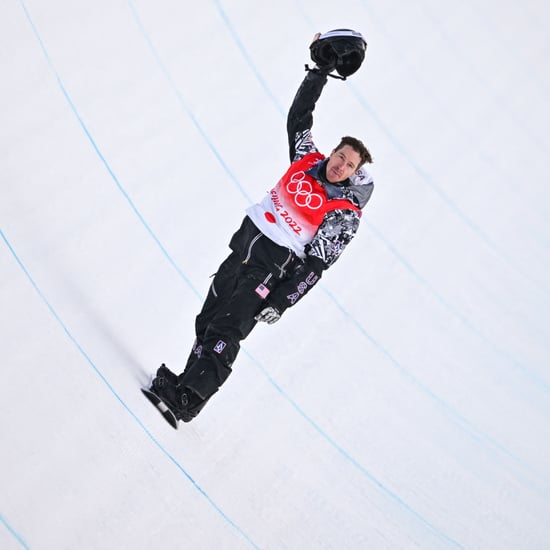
(183, 103)
(100, 155)
(536, 379)
(96, 369)
(185, 278)
(425, 177)
(14, 533)
(124, 193)
(245, 54)
(456, 417)
(500, 99)
(73, 339)
(427, 180)
(448, 409)
(331, 441)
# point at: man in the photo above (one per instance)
(285, 242)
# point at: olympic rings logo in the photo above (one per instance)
(303, 192)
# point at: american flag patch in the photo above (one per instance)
(262, 291)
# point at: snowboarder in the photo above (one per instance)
(285, 241)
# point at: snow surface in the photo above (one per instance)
(404, 404)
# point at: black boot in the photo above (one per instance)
(182, 401)
(191, 404)
(164, 377)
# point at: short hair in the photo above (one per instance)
(358, 146)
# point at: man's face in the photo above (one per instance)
(342, 164)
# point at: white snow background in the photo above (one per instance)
(403, 404)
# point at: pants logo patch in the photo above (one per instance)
(220, 346)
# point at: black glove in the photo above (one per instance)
(325, 58)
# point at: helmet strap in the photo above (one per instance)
(316, 70)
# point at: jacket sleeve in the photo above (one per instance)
(300, 115)
(334, 234)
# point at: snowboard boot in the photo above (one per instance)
(183, 402)
(164, 377)
(191, 404)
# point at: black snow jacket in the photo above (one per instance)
(339, 226)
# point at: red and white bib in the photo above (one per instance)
(292, 212)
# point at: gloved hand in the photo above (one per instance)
(268, 315)
(324, 57)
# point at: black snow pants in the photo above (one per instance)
(238, 292)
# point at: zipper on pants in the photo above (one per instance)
(252, 243)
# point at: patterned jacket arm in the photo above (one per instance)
(334, 234)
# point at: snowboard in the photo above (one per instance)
(161, 406)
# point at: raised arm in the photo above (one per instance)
(300, 115)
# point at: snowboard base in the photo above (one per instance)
(161, 406)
